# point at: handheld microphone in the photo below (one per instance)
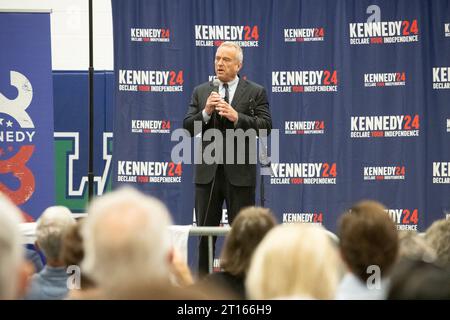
(216, 84)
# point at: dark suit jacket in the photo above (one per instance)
(250, 101)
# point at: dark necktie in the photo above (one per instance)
(227, 93)
(227, 100)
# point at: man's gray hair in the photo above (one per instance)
(232, 44)
(50, 228)
(11, 249)
(126, 239)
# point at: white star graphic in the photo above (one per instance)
(9, 123)
(1, 121)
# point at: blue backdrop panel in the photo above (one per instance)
(26, 112)
(71, 112)
(359, 93)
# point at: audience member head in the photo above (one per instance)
(438, 237)
(294, 261)
(368, 237)
(248, 229)
(126, 240)
(50, 228)
(419, 280)
(11, 250)
(73, 252)
(414, 247)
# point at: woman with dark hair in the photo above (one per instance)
(72, 255)
(248, 229)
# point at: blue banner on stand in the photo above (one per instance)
(26, 112)
(359, 93)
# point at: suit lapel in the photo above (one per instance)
(239, 92)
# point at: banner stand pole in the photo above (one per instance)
(91, 108)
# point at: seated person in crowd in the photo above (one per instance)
(413, 246)
(80, 285)
(14, 270)
(248, 229)
(369, 247)
(51, 282)
(294, 261)
(127, 248)
(438, 237)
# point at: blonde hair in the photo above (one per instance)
(295, 260)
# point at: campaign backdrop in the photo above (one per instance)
(359, 91)
(26, 112)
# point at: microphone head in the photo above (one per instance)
(216, 84)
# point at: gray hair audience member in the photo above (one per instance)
(369, 248)
(13, 270)
(128, 252)
(51, 282)
(296, 261)
(438, 237)
(126, 241)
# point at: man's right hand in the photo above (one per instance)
(213, 99)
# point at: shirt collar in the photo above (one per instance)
(232, 82)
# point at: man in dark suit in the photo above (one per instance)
(226, 105)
